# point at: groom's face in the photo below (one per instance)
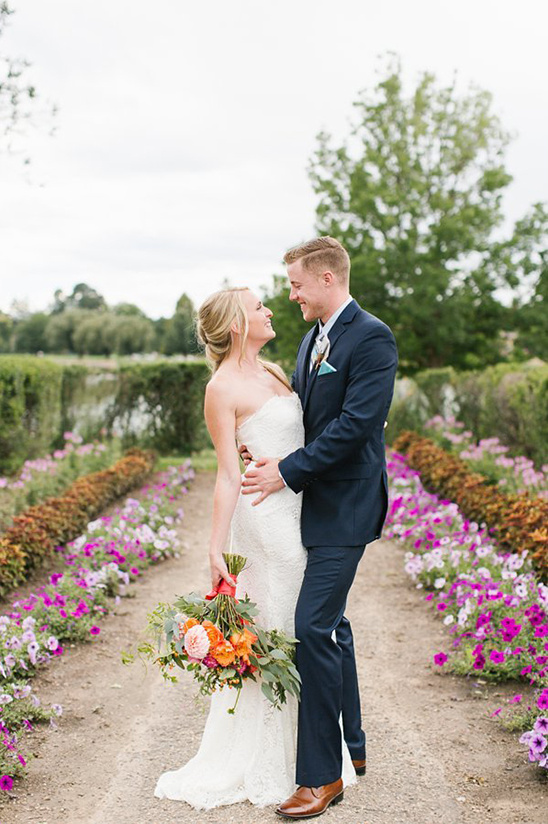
(308, 290)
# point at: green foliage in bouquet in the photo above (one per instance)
(217, 640)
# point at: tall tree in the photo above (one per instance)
(18, 97)
(6, 330)
(180, 337)
(415, 195)
(30, 333)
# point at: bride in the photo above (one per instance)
(249, 755)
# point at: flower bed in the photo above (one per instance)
(494, 608)
(519, 523)
(113, 551)
(50, 475)
(37, 531)
(489, 457)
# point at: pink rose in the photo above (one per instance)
(197, 642)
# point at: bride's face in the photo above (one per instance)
(258, 317)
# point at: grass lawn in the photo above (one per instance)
(203, 461)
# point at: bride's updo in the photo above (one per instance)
(215, 317)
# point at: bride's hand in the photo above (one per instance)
(245, 455)
(219, 571)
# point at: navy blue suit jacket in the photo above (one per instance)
(341, 470)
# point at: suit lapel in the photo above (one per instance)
(338, 330)
(303, 360)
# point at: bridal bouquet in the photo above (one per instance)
(217, 640)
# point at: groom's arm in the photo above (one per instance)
(367, 399)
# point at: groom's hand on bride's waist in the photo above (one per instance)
(263, 479)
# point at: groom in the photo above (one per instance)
(345, 372)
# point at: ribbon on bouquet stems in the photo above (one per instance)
(223, 588)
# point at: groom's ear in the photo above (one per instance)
(328, 278)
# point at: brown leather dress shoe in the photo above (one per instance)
(308, 802)
(359, 766)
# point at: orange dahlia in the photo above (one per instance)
(213, 633)
(224, 652)
(243, 641)
(190, 622)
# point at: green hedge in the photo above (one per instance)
(509, 401)
(160, 404)
(30, 409)
(157, 404)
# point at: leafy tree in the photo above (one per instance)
(82, 297)
(522, 261)
(128, 309)
(180, 337)
(6, 327)
(415, 195)
(30, 333)
(104, 333)
(94, 334)
(17, 97)
(61, 328)
(85, 297)
(131, 334)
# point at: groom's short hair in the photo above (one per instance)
(320, 254)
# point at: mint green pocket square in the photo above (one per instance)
(325, 368)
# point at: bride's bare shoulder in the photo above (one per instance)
(223, 388)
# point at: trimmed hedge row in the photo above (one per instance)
(508, 401)
(156, 404)
(37, 531)
(160, 405)
(518, 522)
(30, 413)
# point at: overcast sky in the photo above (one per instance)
(184, 129)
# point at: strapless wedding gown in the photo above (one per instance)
(250, 756)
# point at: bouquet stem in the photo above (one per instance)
(227, 616)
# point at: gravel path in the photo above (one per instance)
(434, 755)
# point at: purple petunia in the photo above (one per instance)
(6, 783)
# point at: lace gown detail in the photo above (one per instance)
(251, 755)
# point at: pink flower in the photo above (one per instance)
(95, 630)
(6, 783)
(197, 642)
(440, 659)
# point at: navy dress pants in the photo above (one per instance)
(327, 667)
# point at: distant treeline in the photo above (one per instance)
(82, 323)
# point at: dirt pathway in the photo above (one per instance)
(434, 755)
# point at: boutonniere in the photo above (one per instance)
(323, 345)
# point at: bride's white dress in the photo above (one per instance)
(251, 755)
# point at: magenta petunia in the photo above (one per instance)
(440, 658)
(95, 630)
(6, 783)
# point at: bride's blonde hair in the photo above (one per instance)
(215, 318)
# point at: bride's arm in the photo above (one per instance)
(220, 417)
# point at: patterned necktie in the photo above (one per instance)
(320, 346)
